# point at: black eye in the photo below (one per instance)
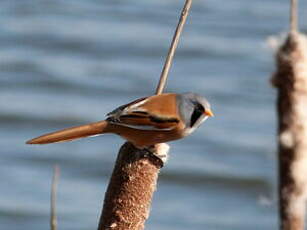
(197, 113)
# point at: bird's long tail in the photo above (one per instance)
(73, 133)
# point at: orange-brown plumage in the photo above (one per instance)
(144, 122)
(70, 133)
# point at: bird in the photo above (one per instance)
(144, 122)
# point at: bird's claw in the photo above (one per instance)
(158, 152)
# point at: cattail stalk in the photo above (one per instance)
(291, 82)
(172, 49)
(129, 194)
(54, 186)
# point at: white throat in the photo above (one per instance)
(189, 130)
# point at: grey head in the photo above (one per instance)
(194, 109)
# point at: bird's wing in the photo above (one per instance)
(151, 113)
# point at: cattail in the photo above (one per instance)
(290, 79)
(129, 194)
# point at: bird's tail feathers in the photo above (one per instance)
(70, 134)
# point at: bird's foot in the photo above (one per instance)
(159, 152)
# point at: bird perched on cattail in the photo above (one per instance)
(143, 122)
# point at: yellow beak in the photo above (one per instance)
(209, 113)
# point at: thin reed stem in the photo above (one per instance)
(55, 179)
(172, 49)
(293, 17)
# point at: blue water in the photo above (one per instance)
(69, 62)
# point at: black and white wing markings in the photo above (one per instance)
(114, 116)
(134, 116)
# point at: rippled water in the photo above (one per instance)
(69, 62)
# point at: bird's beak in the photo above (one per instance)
(209, 113)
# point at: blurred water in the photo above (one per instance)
(68, 62)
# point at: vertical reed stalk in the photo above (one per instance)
(291, 82)
(172, 49)
(129, 194)
(54, 186)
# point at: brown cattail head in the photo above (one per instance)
(129, 194)
(290, 79)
